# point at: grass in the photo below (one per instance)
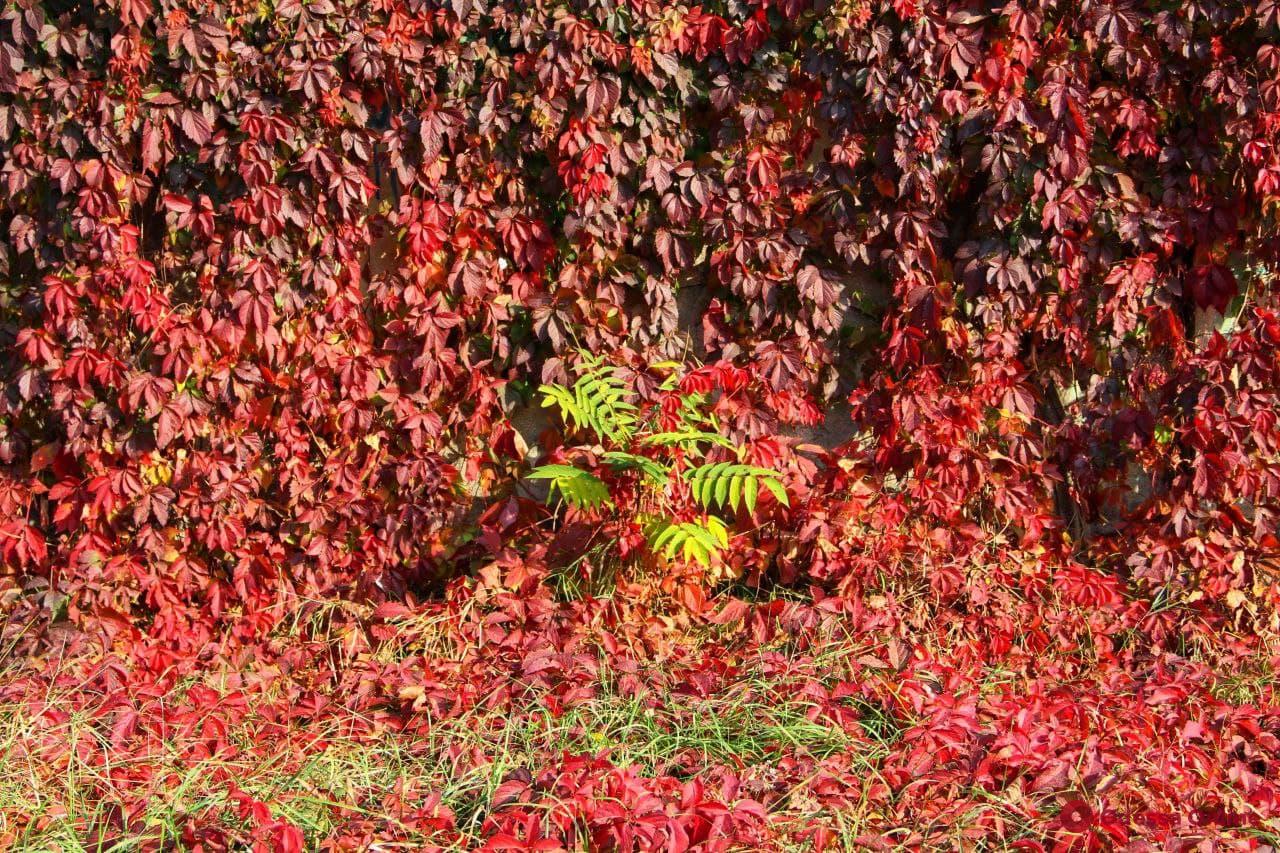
(66, 811)
(745, 725)
(1252, 683)
(67, 808)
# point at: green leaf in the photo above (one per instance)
(722, 489)
(696, 550)
(554, 395)
(718, 529)
(579, 488)
(651, 468)
(687, 438)
(554, 471)
(731, 484)
(779, 492)
(698, 541)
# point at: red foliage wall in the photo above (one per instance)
(276, 273)
(272, 270)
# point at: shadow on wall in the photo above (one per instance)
(687, 340)
(837, 429)
(862, 292)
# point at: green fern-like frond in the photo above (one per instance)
(673, 369)
(598, 401)
(695, 415)
(602, 397)
(732, 484)
(579, 488)
(563, 399)
(651, 468)
(688, 439)
(700, 541)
